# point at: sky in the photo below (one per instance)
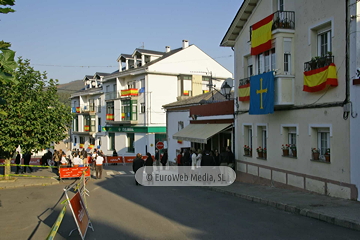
(70, 39)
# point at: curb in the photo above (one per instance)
(29, 185)
(294, 209)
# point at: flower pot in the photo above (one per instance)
(327, 157)
(260, 154)
(246, 151)
(264, 155)
(294, 153)
(285, 152)
(316, 155)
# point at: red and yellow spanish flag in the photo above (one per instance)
(129, 92)
(77, 109)
(91, 146)
(109, 117)
(122, 115)
(86, 128)
(317, 79)
(244, 92)
(186, 93)
(261, 35)
(81, 145)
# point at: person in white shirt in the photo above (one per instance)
(77, 161)
(99, 166)
(198, 158)
(193, 159)
(63, 160)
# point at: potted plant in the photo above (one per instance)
(285, 149)
(293, 150)
(260, 152)
(247, 150)
(315, 153)
(264, 153)
(327, 155)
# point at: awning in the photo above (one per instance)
(199, 133)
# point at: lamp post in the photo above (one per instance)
(227, 88)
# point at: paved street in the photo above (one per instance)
(120, 210)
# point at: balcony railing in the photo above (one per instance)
(111, 95)
(244, 81)
(318, 62)
(284, 20)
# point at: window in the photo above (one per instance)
(92, 141)
(82, 140)
(185, 85)
(248, 135)
(249, 66)
(75, 140)
(292, 140)
(131, 84)
(92, 124)
(263, 138)
(261, 135)
(266, 61)
(287, 55)
(129, 110)
(99, 105)
(205, 83)
(142, 107)
(323, 137)
(180, 125)
(324, 42)
(111, 138)
(99, 124)
(130, 142)
(76, 124)
(281, 5)
(110, 111)
(87, 123)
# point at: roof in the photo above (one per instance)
(165, 55)
(146, 51)
(126, 56)
(238, 23)
(101, 74)
(88, 77)
(209, 97)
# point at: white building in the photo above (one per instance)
(132, 119)
(306, 37)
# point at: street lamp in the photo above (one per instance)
(227, 88)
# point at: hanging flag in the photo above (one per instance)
(317, 79)
(262, 94)
(129, 92)
(261, 35)
(244, 92)
(109, 117)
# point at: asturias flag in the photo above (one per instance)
(262, 94)
(261, 35)
(316, 80)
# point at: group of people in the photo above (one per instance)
(139, 162)
(26, 157)
(206, 158)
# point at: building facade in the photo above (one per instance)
(307, 135)
(132, 119)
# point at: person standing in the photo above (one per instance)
(137, 164)
(149, 166)
(27, 158)
(77, 161)
(193, 158)
(164, 159)
(217, 157)
(198, 158)
(18, 161)
(157, 157)
(99, 165)
(207, 159)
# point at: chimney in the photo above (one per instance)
(167, 49)
(185, 44)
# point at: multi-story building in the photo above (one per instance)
(306, 135)
(132, 119)
(88, 106)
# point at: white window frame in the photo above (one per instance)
(261, 59)
(320, 133)
(327, 33)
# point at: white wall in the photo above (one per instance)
(190, 60)
(172, 127)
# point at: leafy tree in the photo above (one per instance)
(7, 62)
(35, 116)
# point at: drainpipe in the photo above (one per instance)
(346, 103)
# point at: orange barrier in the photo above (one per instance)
(118, 159)
(73, 172)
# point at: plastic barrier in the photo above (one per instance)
(73, 172)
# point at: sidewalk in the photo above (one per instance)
(39, 177)
(345, 213)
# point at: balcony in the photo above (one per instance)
(318, 62)
(283, 20)
(111, 95)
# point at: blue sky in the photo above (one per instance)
(70, 39)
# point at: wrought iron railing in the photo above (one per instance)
(284, 19)
(318, 62)
(244, 81)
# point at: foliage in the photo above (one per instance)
(293, 147)
(315, 150)
(259, 149)
(285, 146)
(247, 148)
(264, 150)
(327, 151)
(35, 116)
(7, 3)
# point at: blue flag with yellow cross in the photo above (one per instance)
(262, 94)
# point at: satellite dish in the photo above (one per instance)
(226, 83)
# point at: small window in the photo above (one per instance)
(323, 137)
(287, 62)
(111, 141)
(180, 125)
(324, 42)
(142, 107)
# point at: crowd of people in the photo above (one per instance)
(198, 158)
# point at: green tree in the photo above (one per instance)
(7, 62)
(35, 116)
